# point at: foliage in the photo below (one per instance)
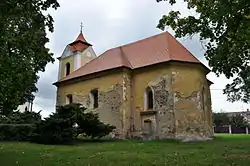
(67, 123)
(15, 132)
(90, 125)
(220, 119)
(18, 126)
(56, 129)
(22, 53)
(225, 27)
(26, 117)
(238, 121)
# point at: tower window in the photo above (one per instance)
(69, 99)
(67, 68)
(94, 98)
(149, 99)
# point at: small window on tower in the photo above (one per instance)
(67, 68)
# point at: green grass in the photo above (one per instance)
(224, 150)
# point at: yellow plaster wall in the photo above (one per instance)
(85, 59)
(192, 113)
(107, 89)
(142, 78)
(128, 126)
(84, 87)
(185, 79)
(63, 62)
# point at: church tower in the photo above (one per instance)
(75, 55)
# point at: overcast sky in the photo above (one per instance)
(111, 23)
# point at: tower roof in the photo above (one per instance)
(80, 44)
(153, 50)
(80, 39)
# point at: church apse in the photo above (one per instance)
(179, 111)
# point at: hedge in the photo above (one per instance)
(15, 132)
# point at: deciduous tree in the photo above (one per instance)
(23, 54)
(220, 119)
(224, 25)
(238, 121)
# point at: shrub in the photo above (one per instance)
(17, 117)
(15, 132)
(90, 125)
(56, 129)
(60, 127)
(18, 126)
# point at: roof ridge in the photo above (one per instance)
(125, 57)
(141, 40)
(168, 46)
(184, 47)
(137, 41)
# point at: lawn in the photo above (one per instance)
(223, 150)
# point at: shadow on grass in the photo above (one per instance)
(86, 140)
(107, 140)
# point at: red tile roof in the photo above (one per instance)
(80, 44)
(78, 47)
(81, 38)
(156, 49)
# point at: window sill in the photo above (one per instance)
(148, 112)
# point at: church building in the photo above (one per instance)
(149, 89)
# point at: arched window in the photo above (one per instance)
(67, 69)
(149, 98)
(94, 98)
(69, 99)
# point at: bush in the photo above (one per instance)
(56, 129)
(61, 128)
(90, 125)
(17, 117)
(15, 132)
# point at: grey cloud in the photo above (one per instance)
(46, 95)
(46, 89)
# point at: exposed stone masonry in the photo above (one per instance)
(174, 115)
(185, 121)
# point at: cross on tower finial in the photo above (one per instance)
(81, 27)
